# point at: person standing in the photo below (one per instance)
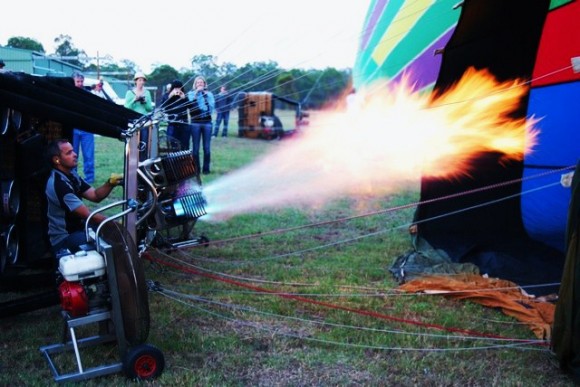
(65, 190)
(99, 92)
(176, 107)
(139, 100)
(202, 105)
(223, 105)
(84, 141)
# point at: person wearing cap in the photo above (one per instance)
(139, 100)
(99, 92)
(84, 141)
(176, 107)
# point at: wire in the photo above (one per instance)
(514, 343)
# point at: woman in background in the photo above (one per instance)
(139, 100)
(202, 106)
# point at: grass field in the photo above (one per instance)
(274, 300)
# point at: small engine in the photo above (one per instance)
(84, 286)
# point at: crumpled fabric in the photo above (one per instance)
(490, 292)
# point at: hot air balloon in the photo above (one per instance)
(515, 231)
(404, 37)
(514, 219)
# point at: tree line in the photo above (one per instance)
(314, 88)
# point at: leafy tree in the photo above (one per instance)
(161, 76)
(68, 52)
(206, 66)
(25, 43)
(285, 86)
(257, 76)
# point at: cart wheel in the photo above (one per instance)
(143, 362)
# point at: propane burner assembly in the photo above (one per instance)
(104, 282)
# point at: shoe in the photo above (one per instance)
(206, 172)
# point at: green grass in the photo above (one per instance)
(233, 335)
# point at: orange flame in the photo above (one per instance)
(475, 117)
(392, 139)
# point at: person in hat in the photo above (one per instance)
(97, 90)
(2, 64)
(139, 100)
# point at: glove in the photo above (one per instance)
(115, 179)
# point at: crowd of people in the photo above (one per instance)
(190, 117)
(190, 123)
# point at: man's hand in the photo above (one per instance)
(115, 179)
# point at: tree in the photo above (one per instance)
(160, 77)
(25, 43)
(285, 86)
(66, 49)
(206, 66)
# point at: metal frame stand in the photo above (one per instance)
(74, 345)
(114, 315)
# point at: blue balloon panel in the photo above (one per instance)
(545, 210)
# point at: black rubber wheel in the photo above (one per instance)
(144, 362)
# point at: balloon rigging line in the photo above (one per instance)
(378, 292)
(177, 295)
(253, 262)
(514, 86)
(375, 88)
(257, 280)
(385, 211)
(342, 308)
(306, 338)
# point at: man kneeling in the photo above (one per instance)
(65, 190)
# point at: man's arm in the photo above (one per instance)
(83, 212)
(98, 194)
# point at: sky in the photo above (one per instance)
(303, 34)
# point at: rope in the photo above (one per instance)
(333, 306)
(173, 296)
(388, 210)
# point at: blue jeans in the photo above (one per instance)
(222, 117)
(202, 132)
(71, 242)
(181, 132)
(85, 142)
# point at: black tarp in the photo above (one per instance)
(566, 329)
(57, 99)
